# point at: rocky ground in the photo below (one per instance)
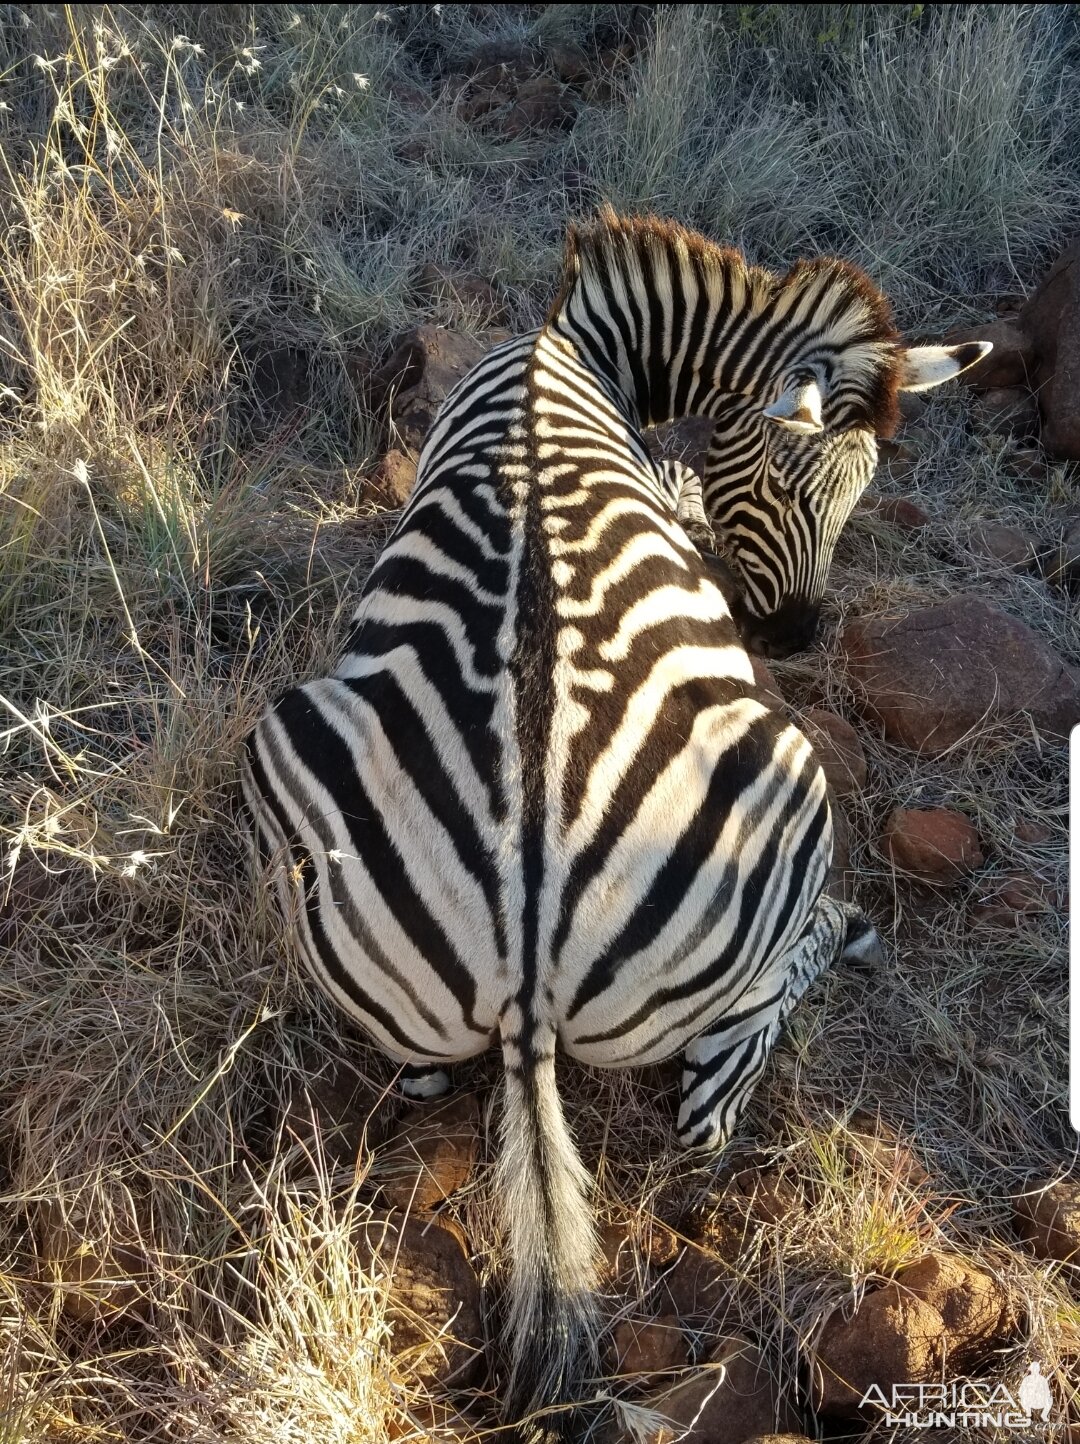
(220, 1221)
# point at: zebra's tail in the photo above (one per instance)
(544, 1190)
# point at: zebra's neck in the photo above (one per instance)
(672, 324)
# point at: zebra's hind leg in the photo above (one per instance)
(423, 1080)
(722, 1067)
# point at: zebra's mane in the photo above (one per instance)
(851, 316)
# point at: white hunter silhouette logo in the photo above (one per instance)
(967, 1404)
(1035, 1394)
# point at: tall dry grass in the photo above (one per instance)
(188, 195)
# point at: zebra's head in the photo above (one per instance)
(800, 374)
(784, 472)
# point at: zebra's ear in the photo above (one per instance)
(922, 367)
(798, 408)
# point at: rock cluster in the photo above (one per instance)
(434, 1296)
(940, 1316)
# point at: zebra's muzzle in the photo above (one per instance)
(791, 628)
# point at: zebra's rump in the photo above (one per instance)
(666, 891)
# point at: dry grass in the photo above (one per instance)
(187, 190)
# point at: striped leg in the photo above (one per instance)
(423, 1080)
(684, 488)
(723, 1066)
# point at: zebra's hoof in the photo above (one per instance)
(419, 1082)
(862, 946)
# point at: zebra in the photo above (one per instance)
(539, 803)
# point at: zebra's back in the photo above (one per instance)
(539, 771)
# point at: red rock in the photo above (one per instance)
(931, 676)
(431, 1154)
(891, 1338)
(423, 367)
(414, 148)
(434, 1302)
(779, 1439)
(974, 1307)
(729, 1402)
(442, 284)
(410, 97)
(901, 457)
(395, 476)
(1032, 833)
(1062, 564)
(336, 1108)
(876, 1144)
(722, 1230)
(696, 1284)
(838, 750)
(1011, 361)
(1028, 462)
(99, 1270)
(1010, 897)
(480, 101)
(650, 1348)
(1052, 319)
(600, 90)
(542, 104)
(765, 682)
(509, 56)
(1047, 1216)
(913, 405)
(1006, 411)
(630, 1245)
(900, 511)
(570, 62)
(617, 1252)
(659, 1245)
(766, 1194)
(1005, 544)
(280, 378)
(932, 844)
(841, 878)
